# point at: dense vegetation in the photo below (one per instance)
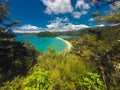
(6, 35)
(100, 49)
(15, 59)
(108, 34)
(57, 72)
(63, 33)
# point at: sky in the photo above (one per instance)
(54, 14)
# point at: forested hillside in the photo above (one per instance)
(108, 31)
(100, 49)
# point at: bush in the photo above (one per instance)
(38, 80)
(66, 71)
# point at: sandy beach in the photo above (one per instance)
(69, 45)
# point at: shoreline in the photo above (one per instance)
(69, 45)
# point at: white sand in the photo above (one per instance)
(69, 45)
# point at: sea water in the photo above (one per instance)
(42, 43)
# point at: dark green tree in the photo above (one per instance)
(5, 29)
(112, 16)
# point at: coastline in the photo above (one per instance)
(69, 45)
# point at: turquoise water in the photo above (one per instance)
(67, 37)
(42, 43)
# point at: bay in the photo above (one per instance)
(42, 43)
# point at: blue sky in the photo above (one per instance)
(53, 14)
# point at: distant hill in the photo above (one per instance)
(109, 31)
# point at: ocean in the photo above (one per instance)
(42, 43)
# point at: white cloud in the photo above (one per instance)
(82, 4)
(66, 20)
(100, 25)
(58, 22)
(81, 8)
(65, 6)
(62, 24)
(28, 31)
(79, 3)
(57, 6)
(76, 15)
(28, 27)
(91, 19)
(53, 25)
(84, 12)
(71, 26)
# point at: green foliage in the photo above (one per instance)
(51, 51)
(38, 80)
(111, 18)
(5, 29)
(100, 50)
(4, 11)
(96, 14)
(53, 72)
(64, 33)
(103, 3)
(66, 71)
(90, 50)
(15, 84)
(92, 82)
(15, 59)
(6, 35)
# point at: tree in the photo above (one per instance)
(101, 3)
(4, 11)
(5, 29)
(113, 17)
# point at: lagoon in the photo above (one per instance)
(42, 43)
